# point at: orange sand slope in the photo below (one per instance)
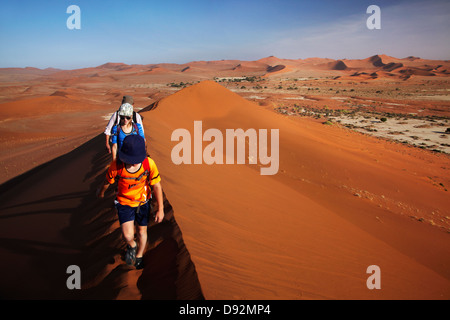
(34, 130)
(341, 201)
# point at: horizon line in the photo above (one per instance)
(217, 60)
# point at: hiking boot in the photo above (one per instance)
(139, 263)
(130, 255)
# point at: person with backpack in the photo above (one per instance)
(136, 174)
(115, 120)
(125, 128)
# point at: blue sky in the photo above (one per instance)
(34, 33)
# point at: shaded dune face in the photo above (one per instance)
(169, 272)
(64, 224)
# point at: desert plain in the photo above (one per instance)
(363, 180)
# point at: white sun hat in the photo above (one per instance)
(126, 110)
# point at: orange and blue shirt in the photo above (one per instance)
(133, 188)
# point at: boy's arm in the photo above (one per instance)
(101, 191)
(157, 191)
(109, 179)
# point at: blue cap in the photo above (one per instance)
(133, 150)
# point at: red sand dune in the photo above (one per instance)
(250, 66)
(155, 70)
(341, 201)
(277, 68)
(335, 65)
(272, 60)
(303, 233)
(368, 63)
(400, 68)
(404, 68)
(36, 130)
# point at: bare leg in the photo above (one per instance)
(142, 230)
(128, 233)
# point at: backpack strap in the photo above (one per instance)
(146, 164)
(117, 117)
(135, 115)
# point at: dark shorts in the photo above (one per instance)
(127, 213)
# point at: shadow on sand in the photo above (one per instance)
(88, 236)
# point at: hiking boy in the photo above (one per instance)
(135, 172)
(115, 120)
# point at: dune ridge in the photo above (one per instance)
(64, 224)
